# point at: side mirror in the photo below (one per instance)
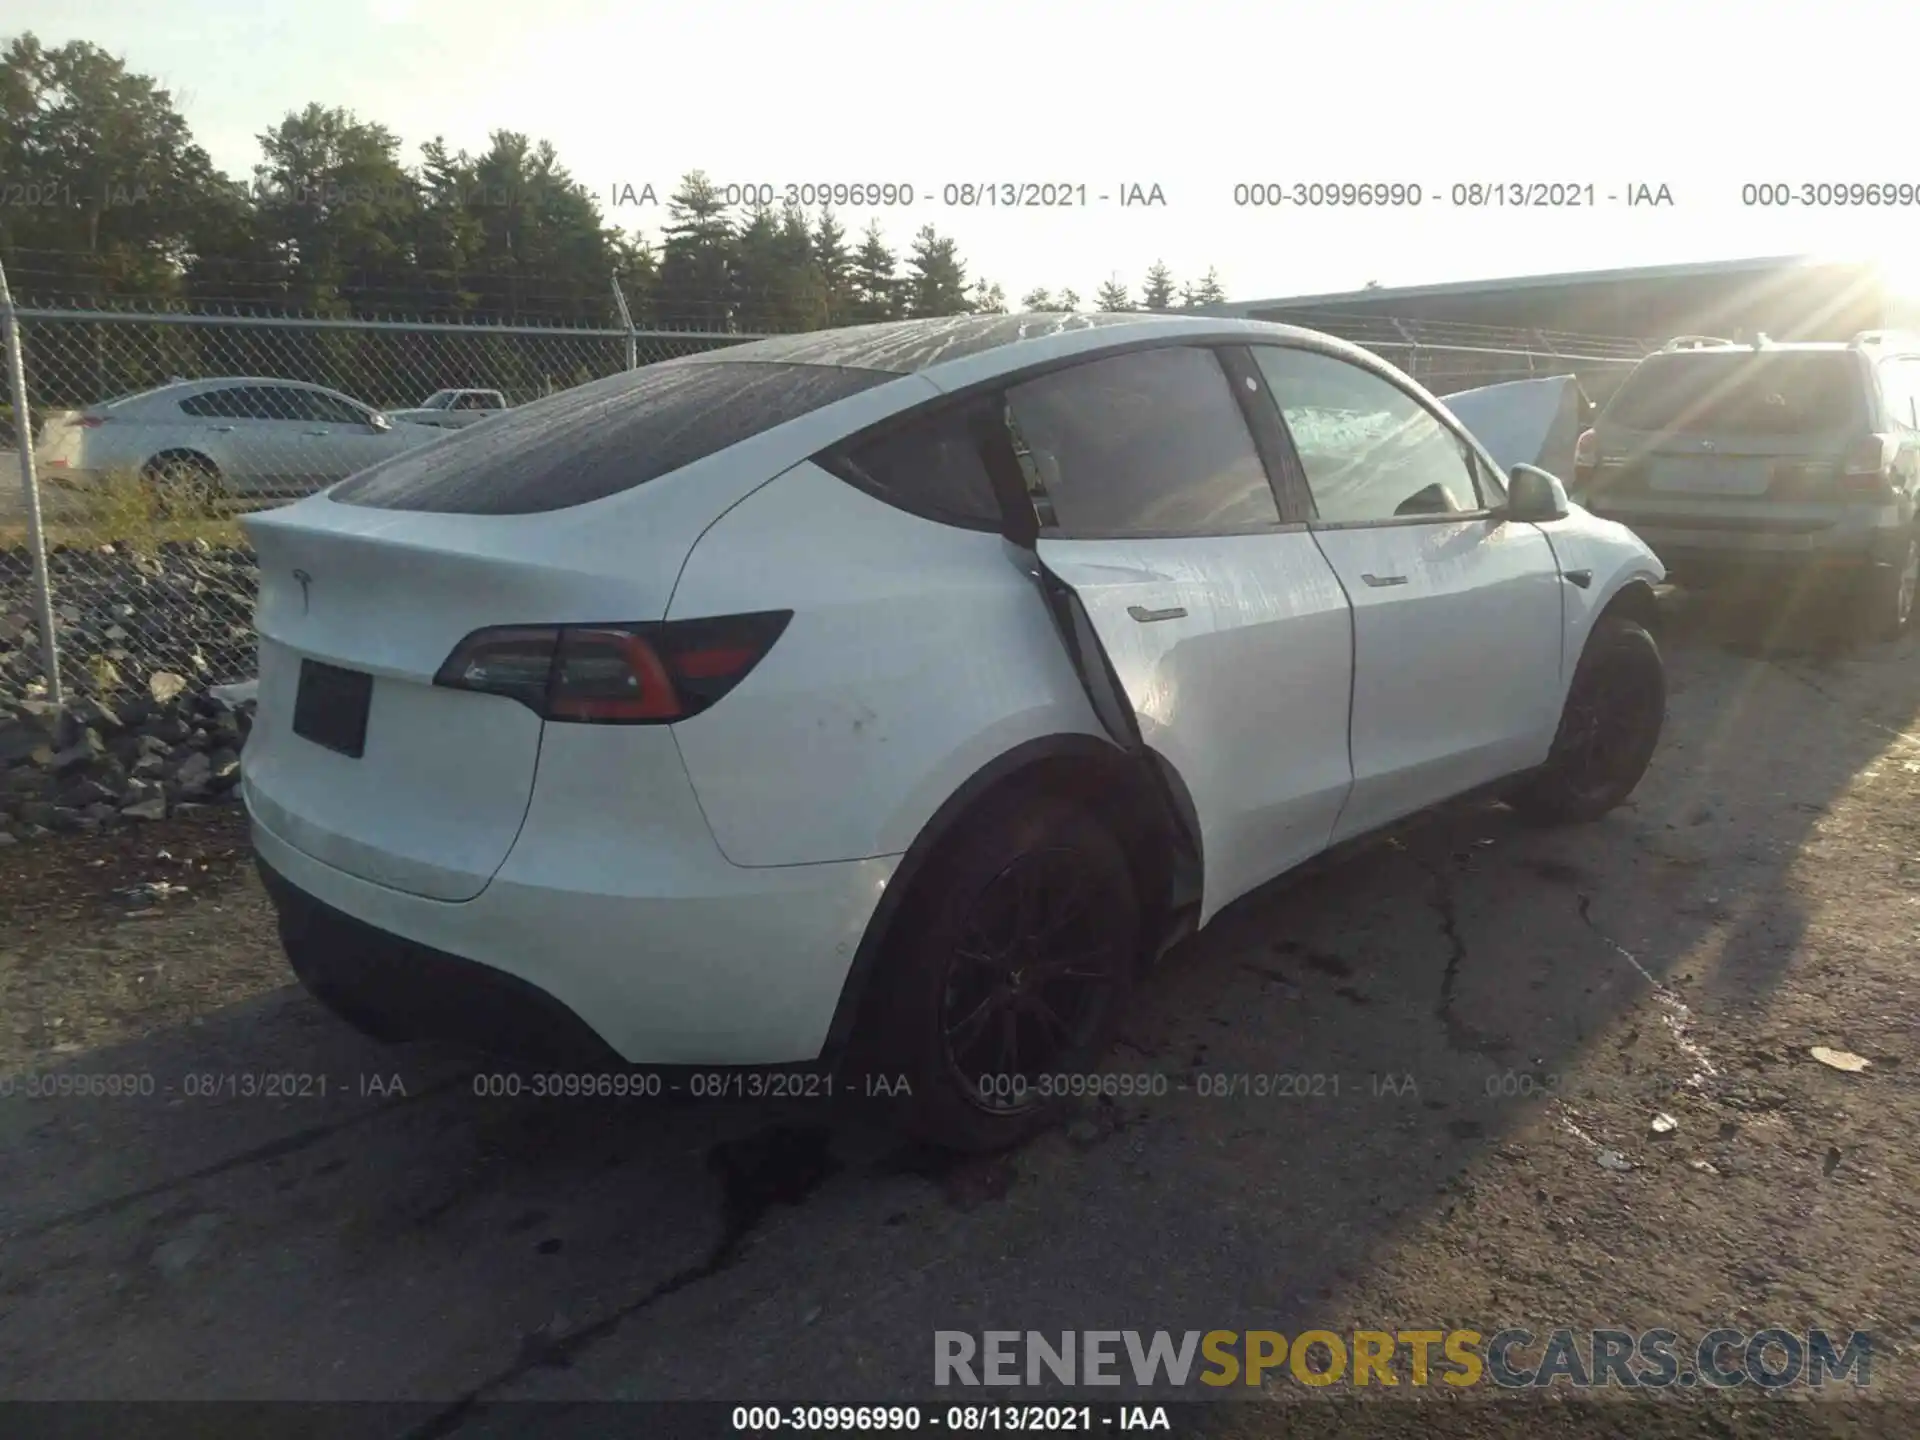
(1535, 495)
(380, 422)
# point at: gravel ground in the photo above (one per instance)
(1531, 1000)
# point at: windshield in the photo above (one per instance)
(439, 400)
(1740, 392)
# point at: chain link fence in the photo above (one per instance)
(146, 569)
(146, 565)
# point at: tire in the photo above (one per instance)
(948, 985)
(1887, 598)
(182, 483)
(1609, 729)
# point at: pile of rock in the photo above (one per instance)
(136, 758)
(185, 606)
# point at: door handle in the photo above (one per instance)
(316, 432)
(1147, 617)
(1379, 580)
(221, 429)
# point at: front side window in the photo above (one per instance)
(232, 402)
(1148, 443)
(281, 402)
(330, 409)
(1371, 452)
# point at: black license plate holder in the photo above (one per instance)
(330, 707)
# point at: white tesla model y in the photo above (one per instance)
(897, 692)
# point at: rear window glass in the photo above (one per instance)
(601, 438)
(931, 467)
(1741, 392)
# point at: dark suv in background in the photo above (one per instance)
(1785, 463)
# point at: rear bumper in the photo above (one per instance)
(1841, 553)
(714, 965)
(399, 989)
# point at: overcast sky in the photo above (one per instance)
(1193, 97)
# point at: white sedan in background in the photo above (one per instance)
(231, 437)
(885, 698)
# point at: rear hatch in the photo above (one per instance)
(580, 509)
(1733, 439)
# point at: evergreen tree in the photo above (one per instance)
(1207, 292)
(637, 271)
(876, 289)
(1158, 292)
(936, 279)
(757, 273)
(802, 294)
(1113, 296)
(834, 267)
(696, 257)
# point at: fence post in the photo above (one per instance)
(626, 324)
(30, 491)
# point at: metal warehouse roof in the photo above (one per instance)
(1569, 279)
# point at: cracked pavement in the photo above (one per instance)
(1424, 1048)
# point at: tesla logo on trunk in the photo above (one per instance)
(306, 590)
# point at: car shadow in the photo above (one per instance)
(1314, 1078)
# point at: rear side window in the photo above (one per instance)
(1149, 443)
(1741, 392)
(235, 402)
(601, 438)
(931, 466)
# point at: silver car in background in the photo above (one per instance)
(231, 437)
(453, 409)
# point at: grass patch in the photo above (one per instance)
(122, 509)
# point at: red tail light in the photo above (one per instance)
(1868, 466)
(642, 674)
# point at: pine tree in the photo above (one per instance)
(636, 269)
(834, 267)
(1113, 296)
(696, 257)
(1038, 299)
(1157, 293)
(802, 298)
(876, 289)
(1066, 300)
(1207, 292)
(757, 274)
(937, 279)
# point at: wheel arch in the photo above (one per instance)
(1119, 787)
(1635, 601)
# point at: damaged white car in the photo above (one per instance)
(880, 701)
